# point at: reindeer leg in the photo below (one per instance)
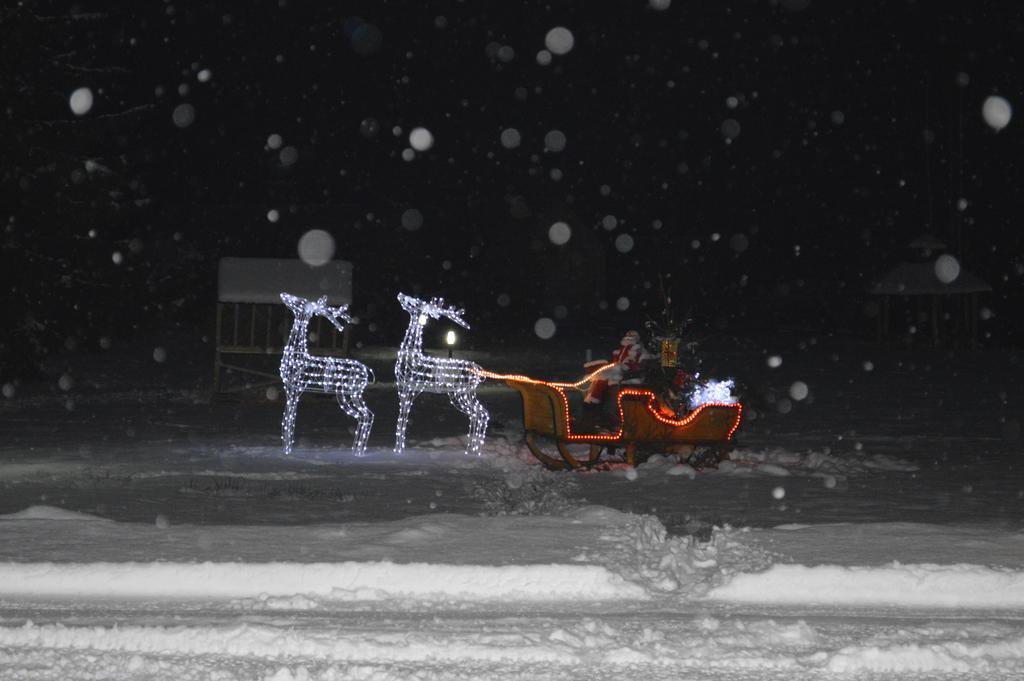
(291, 407)
(468, 404)
(405, 399)
(354, 405)
(478, 424)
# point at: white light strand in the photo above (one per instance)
(416, 373)
(712, 391)
(302, 372)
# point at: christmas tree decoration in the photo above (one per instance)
(416, 373)
(302, 372)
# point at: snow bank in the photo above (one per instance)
(51, 513)
(332, 581)
(946, 657)
(648, 646)
(261, 641)
(895, 585)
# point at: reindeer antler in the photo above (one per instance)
(338, 316)
(341, 312)
(294, 303)
(453, 313)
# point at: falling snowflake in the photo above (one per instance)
(559, 40)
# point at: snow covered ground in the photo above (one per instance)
(872, 529)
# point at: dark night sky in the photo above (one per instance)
(860, 127)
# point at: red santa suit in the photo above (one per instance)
(627, 362)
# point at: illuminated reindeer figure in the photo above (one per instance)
(416, 373)
(302, 372)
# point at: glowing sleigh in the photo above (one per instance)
(702, 437)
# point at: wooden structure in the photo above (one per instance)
(642, 428)
(913, 293)
(253, 325)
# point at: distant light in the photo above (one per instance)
(204, 76)
(450, 338)
(274, 141)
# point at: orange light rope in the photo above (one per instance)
(551, 384)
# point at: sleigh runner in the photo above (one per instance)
(642, 429)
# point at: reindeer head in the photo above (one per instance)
(304, 309)
(433, 309)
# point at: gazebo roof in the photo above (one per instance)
(918, 279)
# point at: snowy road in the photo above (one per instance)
(589, 593)
(544, 641)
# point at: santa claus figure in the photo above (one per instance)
(626, 369)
